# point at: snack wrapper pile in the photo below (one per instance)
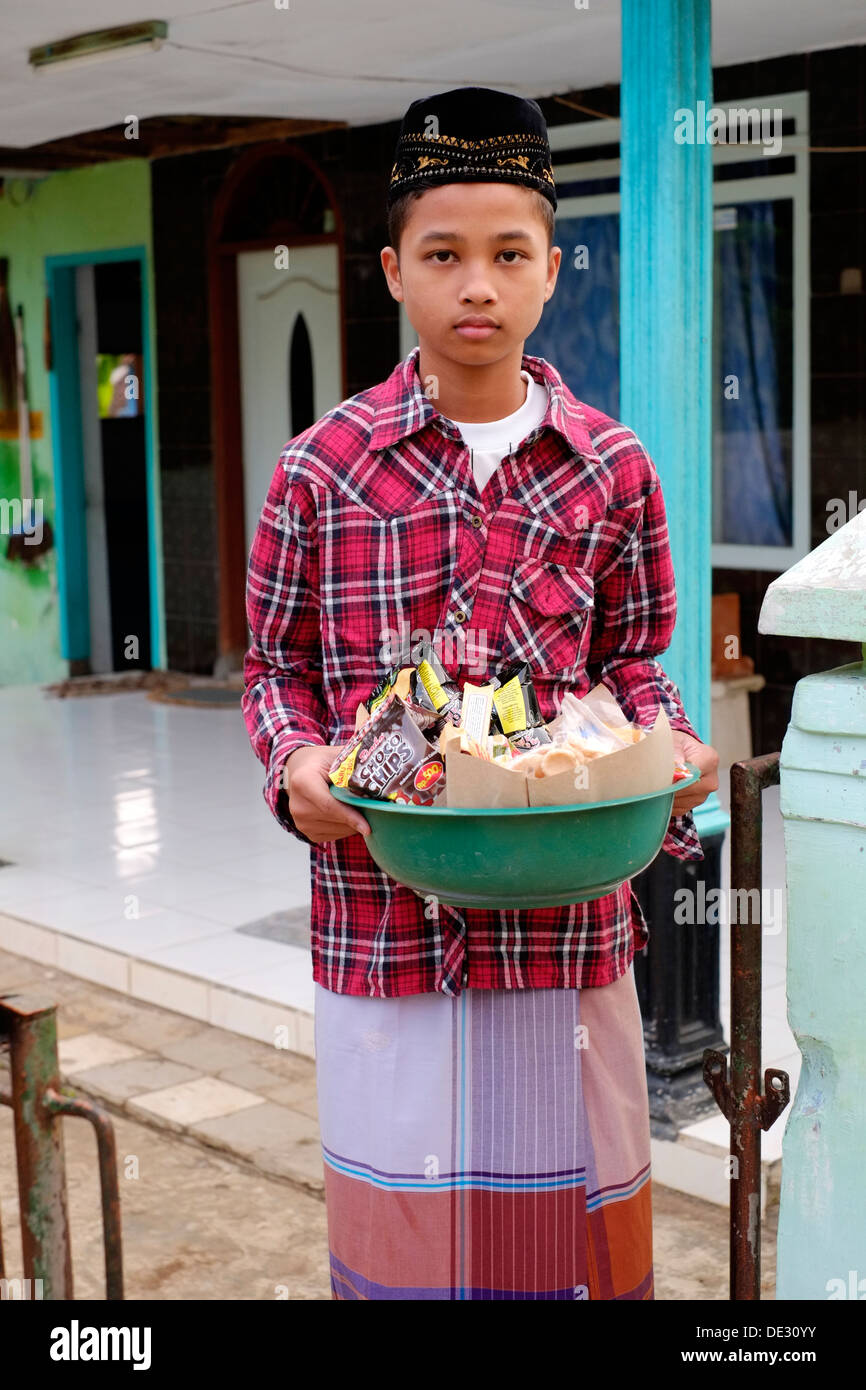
(421, 740)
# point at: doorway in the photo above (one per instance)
(278, 358)
(102, 461)
(289, 332)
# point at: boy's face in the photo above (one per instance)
(473, 250)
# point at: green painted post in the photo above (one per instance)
(666, 301)
(31, 1024)
(822, 1215)
(666, 304)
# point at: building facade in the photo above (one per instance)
(259, 302)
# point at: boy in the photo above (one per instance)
(482, 1089)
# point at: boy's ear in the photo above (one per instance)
(553, 264)
(391, 267)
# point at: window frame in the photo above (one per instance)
(767, 187)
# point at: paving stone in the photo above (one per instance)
(287, 1066)
(86, 1010)
(120, 1081)
(253, 1078)
(205, 1098)
(302, 1164)
(19, 974)
(88, 1050)
(296, 1095)
(154, 1028)
(83, 1007)
(274, 1138)
(212, 1050)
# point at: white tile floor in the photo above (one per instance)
(140, 829)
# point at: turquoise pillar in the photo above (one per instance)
(822, 1212)
(666, 295)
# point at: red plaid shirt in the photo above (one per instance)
(373, 532)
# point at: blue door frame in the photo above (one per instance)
(68, 453)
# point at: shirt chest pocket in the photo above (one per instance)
(548, 619)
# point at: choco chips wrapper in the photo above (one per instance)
(389, 759)
(515, 709)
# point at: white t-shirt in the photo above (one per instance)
(491, 440)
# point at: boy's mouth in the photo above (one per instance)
(476, 326)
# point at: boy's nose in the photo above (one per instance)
(477, 290)
(477, 298)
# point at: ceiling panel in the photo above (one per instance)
(340, 60)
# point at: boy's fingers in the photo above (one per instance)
(340, 810)
(319, 814)
(327, 830)
(332, 812)
(357, 823)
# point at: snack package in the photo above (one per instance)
(389, 759)
(476, 710)
(397, 679)
(581, 725)
(431, 688)
(515, 709)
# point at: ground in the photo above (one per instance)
(245, 1220)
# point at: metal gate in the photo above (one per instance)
(28, 1030)
(747, 1108)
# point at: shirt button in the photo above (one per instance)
(460, 616)
(476, 522)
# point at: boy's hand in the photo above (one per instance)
(316, 813)
(691, 750)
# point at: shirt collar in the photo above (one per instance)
(402, 407)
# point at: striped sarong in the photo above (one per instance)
(492, 1146)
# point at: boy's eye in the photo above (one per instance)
(509, 252)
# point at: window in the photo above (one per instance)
(301, 408)
(761, 502)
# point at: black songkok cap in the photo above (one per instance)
(472, 134)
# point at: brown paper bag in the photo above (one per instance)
(632, 770)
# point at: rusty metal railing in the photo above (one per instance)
(28, 1025)
(747, 1108)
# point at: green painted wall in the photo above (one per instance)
(83, 210)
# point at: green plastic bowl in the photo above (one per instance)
(539, 856)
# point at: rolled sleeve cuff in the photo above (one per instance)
(682, 840)
(274, 792)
